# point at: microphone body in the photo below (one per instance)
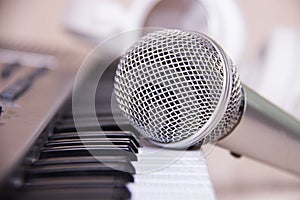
(266, 133)
(180, 88)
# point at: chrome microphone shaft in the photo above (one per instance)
(266, 133)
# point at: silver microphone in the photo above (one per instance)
(179, 89)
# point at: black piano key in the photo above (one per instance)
(105, 184)
(104, 125)
(121, 161)
(82, 159)
(89, 150)
(81, 181)
(91, 193)
(87, 119)
(93, 141)
(100, 110)
(96, 134)
(81, 169)
(118, 162)
(106, 121)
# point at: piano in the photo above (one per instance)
(45, 156)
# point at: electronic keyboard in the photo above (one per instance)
(44, 156)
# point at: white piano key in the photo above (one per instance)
(170, 174)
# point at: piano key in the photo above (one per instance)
(166, 171)
(103, 110)
(100, 110)
(82, 159)
(89, 150)
(63, 182)
(91, 193)
(87, 119)
(106, 160)
(93, 141)
(96, 134)
(98, 182)
(81, 169)
(90, 126)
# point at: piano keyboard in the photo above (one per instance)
(44, 157)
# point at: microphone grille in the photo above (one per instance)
(173, 85)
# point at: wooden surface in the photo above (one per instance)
(40, 23)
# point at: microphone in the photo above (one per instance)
(179, 89)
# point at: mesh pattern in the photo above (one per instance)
(233, 112)
(169, 84)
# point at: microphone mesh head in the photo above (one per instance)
(173, 85)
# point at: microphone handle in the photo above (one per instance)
(266, 133)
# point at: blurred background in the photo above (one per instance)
(262, 37)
